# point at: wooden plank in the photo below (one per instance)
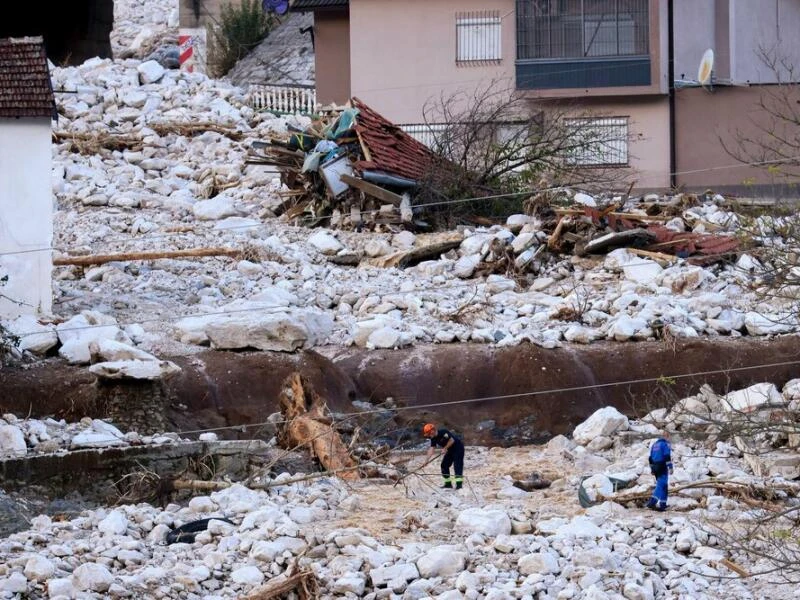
(629, 216)
(364, 147)
(734, 567)
(99, 259)
(372, 190)
(657, 256)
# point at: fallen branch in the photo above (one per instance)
(99, 259)
(749, 494)
(304, 583)
(740, 571)
(93, 142)
(189, 129)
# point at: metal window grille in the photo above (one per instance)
(598, 142)
(478, 37)
(424, 132)
(283, 99)
(582, 28)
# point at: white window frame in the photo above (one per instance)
(479, 38)
(609, 142)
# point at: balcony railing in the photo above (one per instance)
(283, 99)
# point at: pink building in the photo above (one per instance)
(610, 58)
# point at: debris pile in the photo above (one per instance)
(351, 169)
(324, 537)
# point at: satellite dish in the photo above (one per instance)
(706, 70)
(280, 7)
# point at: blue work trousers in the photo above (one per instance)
(659, 498)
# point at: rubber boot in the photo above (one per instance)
(458, 485)
(447, 484)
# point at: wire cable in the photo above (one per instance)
(532, 393)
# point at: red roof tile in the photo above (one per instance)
(25, 88)
(390, 148)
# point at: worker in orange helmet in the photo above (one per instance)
(453, 450)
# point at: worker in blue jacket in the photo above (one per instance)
(661, 468)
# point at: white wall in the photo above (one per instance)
(26, 215)
(769, 24)
(694, 34)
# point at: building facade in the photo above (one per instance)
(27, 108)
(608, 58)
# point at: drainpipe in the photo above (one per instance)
(673, 178)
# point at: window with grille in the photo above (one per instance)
(478, 38)
(598, 142)
(581, 28)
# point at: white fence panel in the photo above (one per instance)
(283, 99)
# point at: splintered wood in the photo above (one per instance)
(307, 425)
(303, 584)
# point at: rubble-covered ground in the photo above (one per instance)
(170, 186)
(150, 160)
(491, 540)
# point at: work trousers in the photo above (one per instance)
(453, 458)
(659, 497)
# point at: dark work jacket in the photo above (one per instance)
(442, 437)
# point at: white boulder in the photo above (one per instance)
(134, 369)
(442, 561)
(543, 562)
(150, 72)
(325, 243)
(216, 208)
(92, 577)
(603, 422)
(485, 521)
(753, 397)
(12, 441)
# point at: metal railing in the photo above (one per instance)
(283, 98)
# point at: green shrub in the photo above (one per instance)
(241, 27)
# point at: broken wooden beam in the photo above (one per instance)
(99, 259)
(740, 571)
(303, 583)
(414, 256)
(372, 190)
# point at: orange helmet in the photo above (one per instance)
(429, 429)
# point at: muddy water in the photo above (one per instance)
(486, 386)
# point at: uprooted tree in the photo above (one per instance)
(494, 141)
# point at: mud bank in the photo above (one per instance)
(499, 395)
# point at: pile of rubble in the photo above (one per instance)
(28, 437)
(351, 168)
(316, 535)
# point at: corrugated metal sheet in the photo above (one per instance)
(306, 5)
(390, 148)
(25, 87)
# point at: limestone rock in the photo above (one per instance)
(543, 562)
(441, 561)
(12, 441)
(603, 422)
(92, 577)
(401, 571)
(218, 207)
(150, 72)
(325, 243)
(135, 369)
(488, 522)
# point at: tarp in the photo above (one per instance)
(619, 484)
